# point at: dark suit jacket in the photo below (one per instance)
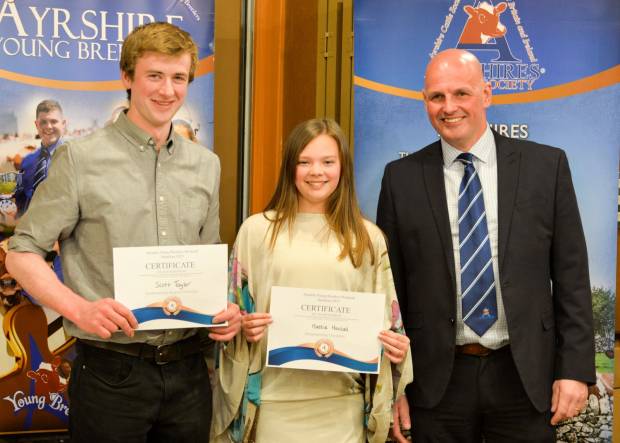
(543, 267)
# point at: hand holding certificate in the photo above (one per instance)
(169, 287)
(325, 330)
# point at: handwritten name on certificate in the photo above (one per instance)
(171, 287)
(325, 330)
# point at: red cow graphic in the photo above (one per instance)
(47, 380)
(483, 23)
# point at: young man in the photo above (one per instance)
(133, 183)
(491, 270)
(51, 125)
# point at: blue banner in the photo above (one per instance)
(69, 51)
(147, 314)
(555, 73)
(281, 356)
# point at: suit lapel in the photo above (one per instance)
(436, 191)
(508, 162)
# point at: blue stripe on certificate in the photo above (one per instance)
(157, 313)
(280, 356)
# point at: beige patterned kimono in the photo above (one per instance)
(265, 404)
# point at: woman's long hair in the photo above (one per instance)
(342, 210)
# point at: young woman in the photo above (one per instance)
(311, 235)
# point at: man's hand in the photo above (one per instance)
(255, 326)
(226, 333)
(103, 317)
(568, 399)
(401, 419)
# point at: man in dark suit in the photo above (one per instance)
(491, 269)
(51, 125)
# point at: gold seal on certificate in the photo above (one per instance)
(172, 305)
(325, 330)
(172, 286)
(324, 348)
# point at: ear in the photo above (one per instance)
(126, 80)
(425, 99)
(500, 8)
(487, 94)
(470, 10)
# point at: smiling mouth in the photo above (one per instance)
(163, 104)
(316, 184)
(452, 119)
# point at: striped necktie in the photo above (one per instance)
(478, 297)
(40, 172)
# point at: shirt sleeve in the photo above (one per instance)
(54, 210)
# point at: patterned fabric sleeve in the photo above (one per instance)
(229, 397)
(392, 378)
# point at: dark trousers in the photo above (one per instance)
(120, 398)
(485, 401)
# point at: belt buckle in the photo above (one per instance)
(162, 356)
(485, 352)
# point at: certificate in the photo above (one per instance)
(168, 287)
(325, 330)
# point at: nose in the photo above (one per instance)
(316, 168)
(449, 105)
(166, 87)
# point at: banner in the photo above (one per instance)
(69, 52)
(554, 70)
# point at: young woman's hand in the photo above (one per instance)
(395, 345)
(255, 325)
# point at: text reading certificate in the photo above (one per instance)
(168, 287)
(325, 330)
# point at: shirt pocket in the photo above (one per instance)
(192, 215)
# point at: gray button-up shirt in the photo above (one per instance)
(114, 189)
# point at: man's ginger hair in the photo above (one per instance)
(161, 38)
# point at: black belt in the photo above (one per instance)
(161, 354)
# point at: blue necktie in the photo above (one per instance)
(40, 172)
(478, 298)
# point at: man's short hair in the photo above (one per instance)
(159, 37)
(47, 106)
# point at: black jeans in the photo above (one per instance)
(120, 398)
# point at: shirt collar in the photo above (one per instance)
(139, 136)
(480, 150)
(53, 147)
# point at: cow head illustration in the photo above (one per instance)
(483, 23)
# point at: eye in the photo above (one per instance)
(436, 98)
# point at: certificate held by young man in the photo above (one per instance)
(169, 287)
(325, 330)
